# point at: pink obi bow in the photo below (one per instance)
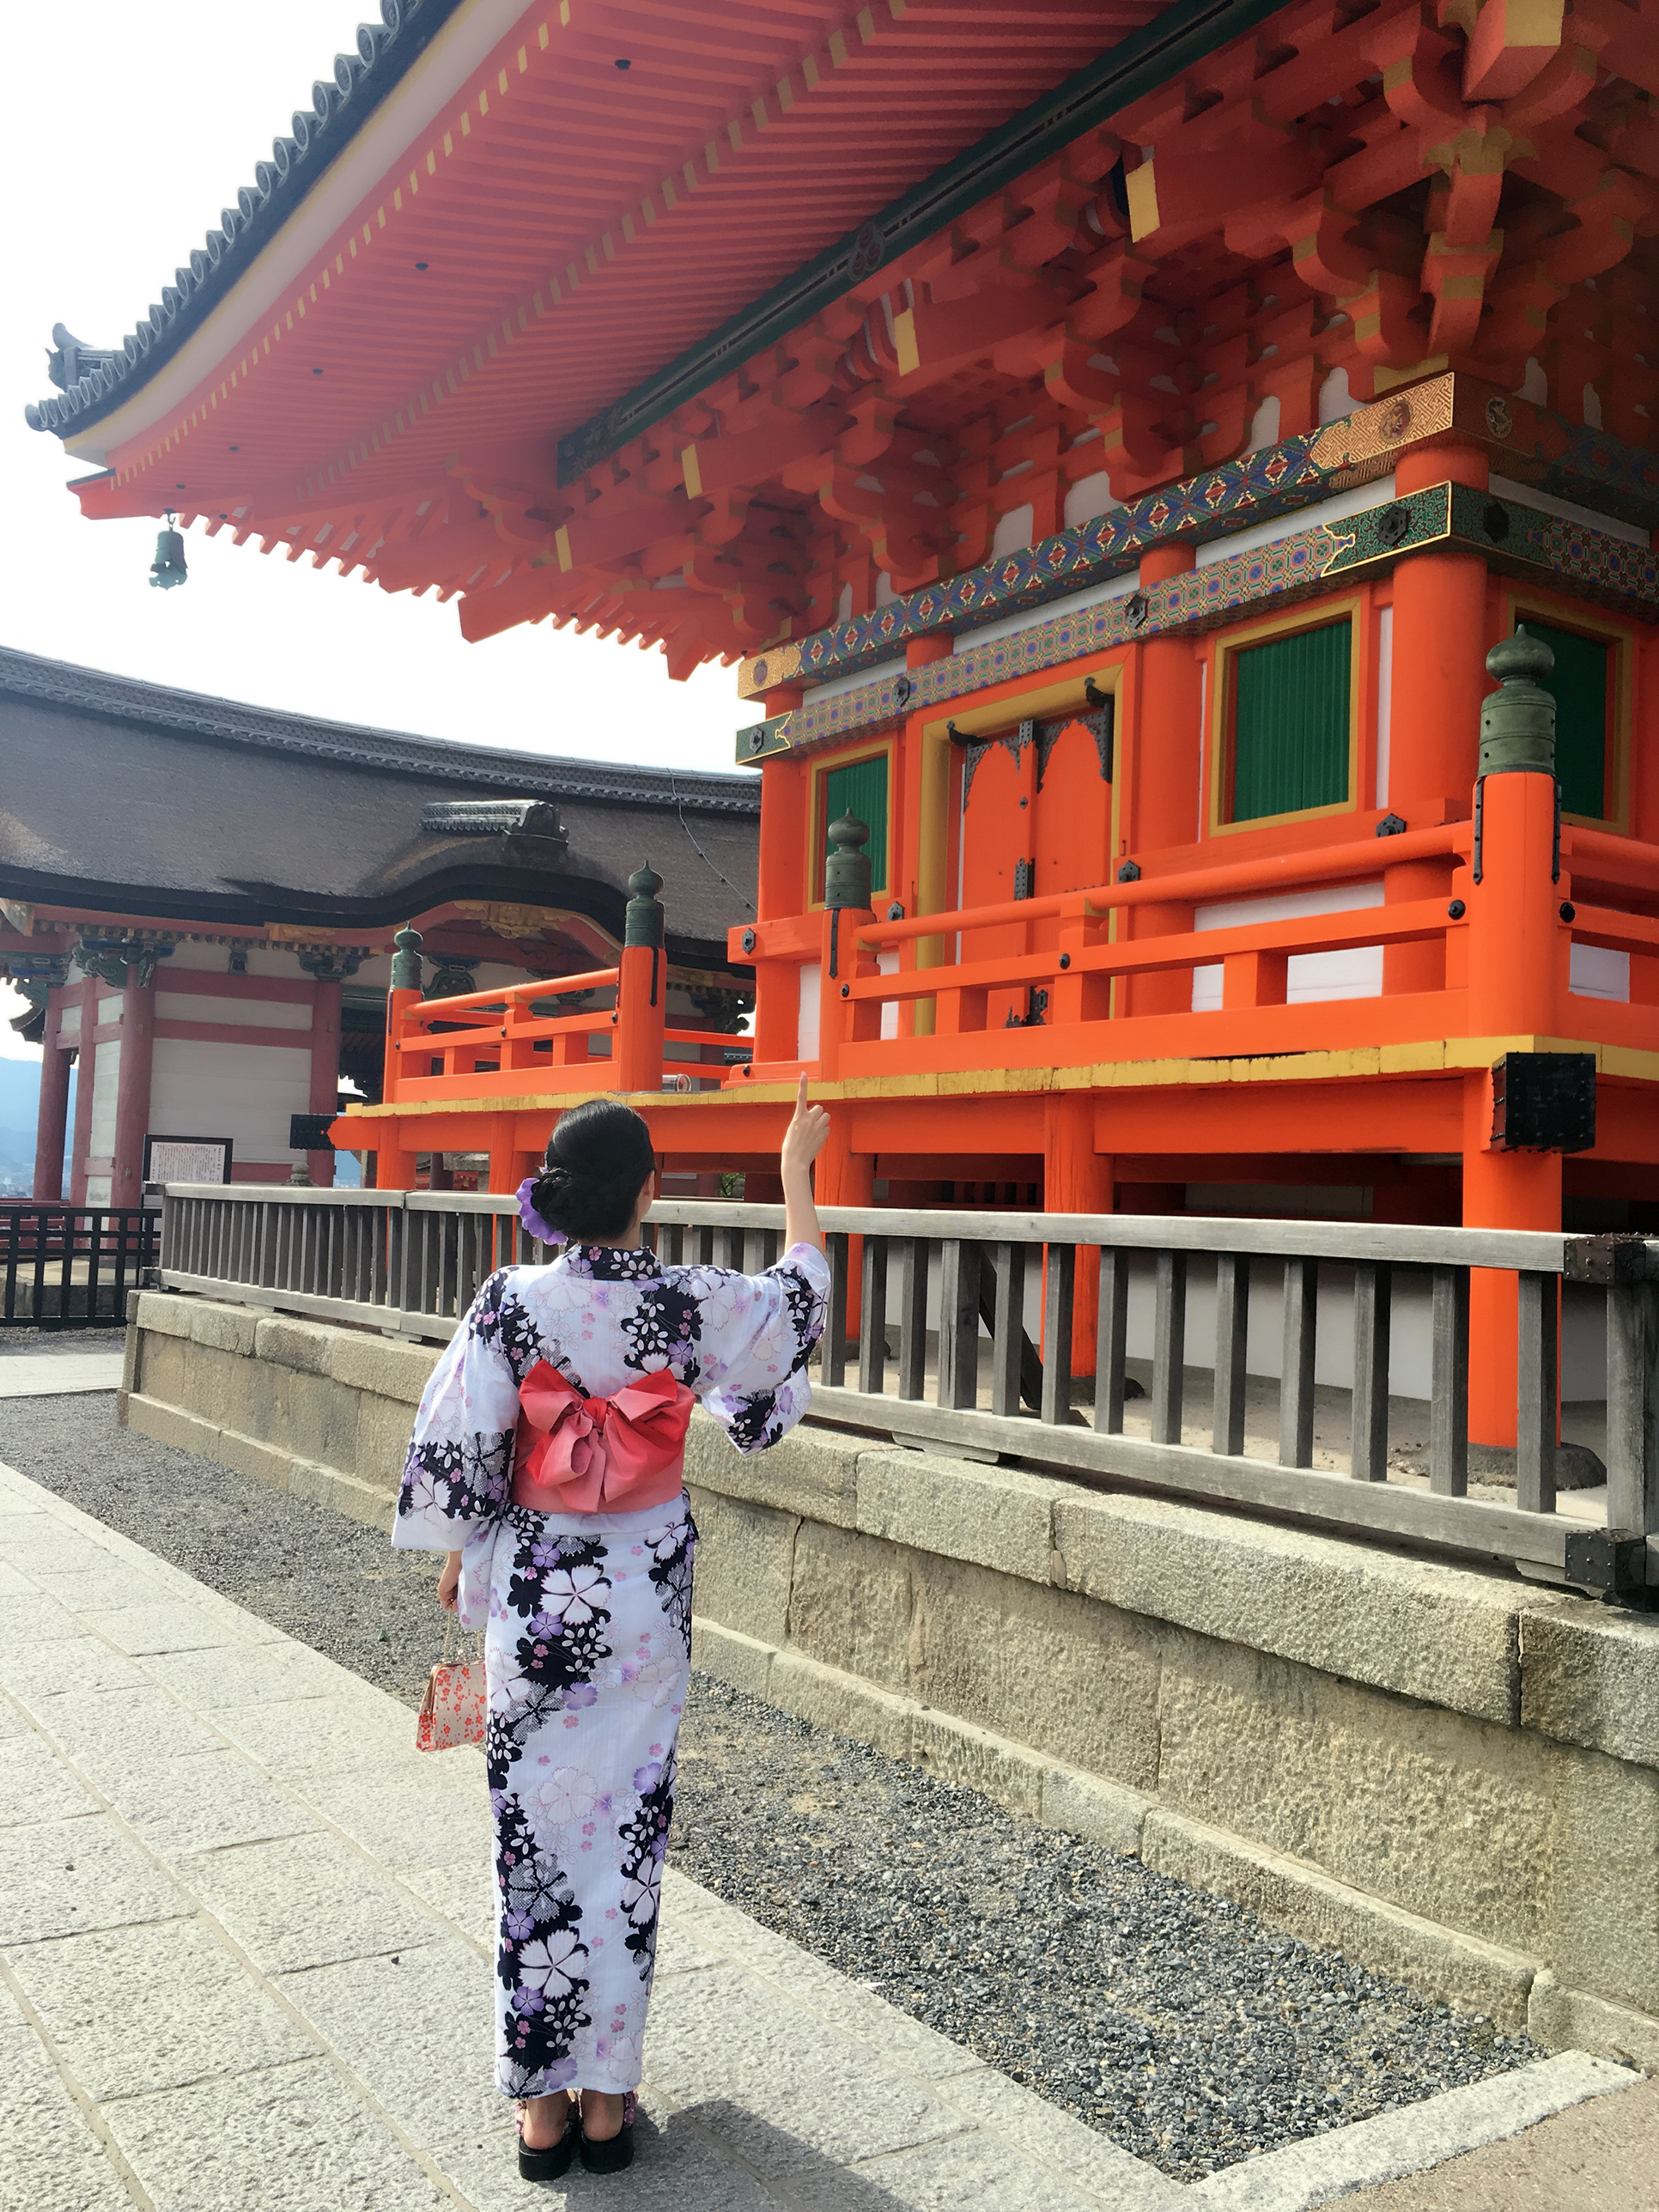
(615, 1454)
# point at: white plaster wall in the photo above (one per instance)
(887, 964)
(250, 1013)
(199, 959)
(245, 1092)
(1355, 974)
(1599, 972)
(807, 1033)
(105, 1084)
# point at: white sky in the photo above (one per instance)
(119, 152)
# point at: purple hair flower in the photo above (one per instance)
(532, 1221)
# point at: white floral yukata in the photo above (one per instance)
(587, 1618)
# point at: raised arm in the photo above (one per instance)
(803, 1141)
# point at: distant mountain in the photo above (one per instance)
(20, 1098)
(20, 1094)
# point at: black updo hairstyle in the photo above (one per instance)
(597, 1159)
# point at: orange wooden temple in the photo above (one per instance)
(1109, 440)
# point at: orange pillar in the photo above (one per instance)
(641, 996)
(1518, 952)
(1164, 772)
(1437, 683)
(1076, 1178)
(394, 1164)
(780, 889)
(126, 1185)
(642, 990)
(781, 882)
(51, 1117)
(505, 1173)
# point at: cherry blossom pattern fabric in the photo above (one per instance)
(587, 1649)
(587, 1618)
(604, 1318)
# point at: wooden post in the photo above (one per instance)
(1163, 773)
(642, 992)
(1437, 683)
(85, 1059)
(847, 910)
(126, 1180)
(1518, 955)
(780, 886)
(780, 891)
(845, 1178)
(1076, 1178)
(50, 1124)
(395, 1162)
(505, 1174)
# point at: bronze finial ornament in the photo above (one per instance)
(846, 870)
(643, 921)
(1518, 723)
(406, 960)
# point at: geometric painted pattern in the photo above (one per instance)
(1273, 482)
(1590, 563)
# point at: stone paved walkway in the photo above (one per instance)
(245, 1940)
(51, 1373)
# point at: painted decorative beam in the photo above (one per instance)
(1590, 563)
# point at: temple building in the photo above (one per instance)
(200, 901)
(1109, 442)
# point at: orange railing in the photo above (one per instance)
(1070, 999)
(436, 1047)
(1081, 994)
(485, 1042)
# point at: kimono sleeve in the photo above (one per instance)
(758, 1333)
(459, 1469)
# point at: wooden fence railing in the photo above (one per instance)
(71, 1266)
(962, 1331)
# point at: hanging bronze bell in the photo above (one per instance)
(168, 567)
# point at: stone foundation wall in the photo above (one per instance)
(1452, 1774)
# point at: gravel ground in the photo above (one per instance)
(1173, 2021)
(61, 1339)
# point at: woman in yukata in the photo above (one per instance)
(547, 1462)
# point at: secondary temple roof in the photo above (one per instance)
(720, 348)
(183, 806)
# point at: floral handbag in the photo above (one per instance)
(452, 1710)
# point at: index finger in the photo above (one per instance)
(800, 1094)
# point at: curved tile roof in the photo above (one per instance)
(197, 714)
(92, 378)
(216, 813)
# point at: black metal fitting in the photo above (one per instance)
(1610, 1564)
(1129, 872)
(1569, 911)
(1544, 1101)
(1064, 959)
(1620, 1257)
(749, 940)
(1391, 826)
(1456, 910)
(846, 990)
